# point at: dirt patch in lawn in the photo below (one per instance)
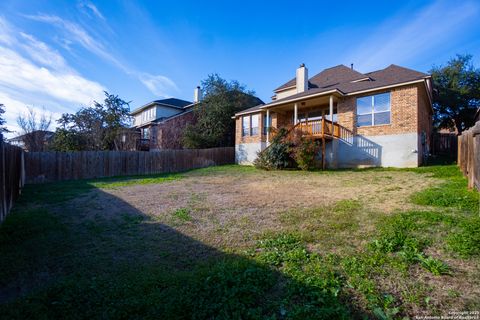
(231, 209)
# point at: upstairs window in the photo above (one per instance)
(373, 110)
(146, 133)
(148, 114)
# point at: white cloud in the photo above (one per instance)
(41, 53)
(5, 32)
(35, 75)
(402, 38)
(92, 8)
(65, 86)
(76, 33)
(159, 85)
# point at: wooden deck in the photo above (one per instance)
(319, 128)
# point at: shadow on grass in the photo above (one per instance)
(63, 255)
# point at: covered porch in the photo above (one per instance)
(313, 116)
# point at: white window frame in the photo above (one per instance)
(266, 125)
(245, 130)
(372, 112)
(248, 131)
(251, 124)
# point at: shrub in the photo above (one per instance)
(305, 152)
(277, 154)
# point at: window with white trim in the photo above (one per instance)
(146, 133)
(250, 125)
(245, 125)
(373, 110)
(254, 119)
(267, 124)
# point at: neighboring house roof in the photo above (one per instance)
(48, 136)
(169, 102)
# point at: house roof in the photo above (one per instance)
(169, 102)
(342, 74)
(345, 81)
(48, 135)
(250, 110)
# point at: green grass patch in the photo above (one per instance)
(182, 215)
(435, 266)
(117, 182)
(58, 192)
(465, 238)
(452, 193)
(31, 239)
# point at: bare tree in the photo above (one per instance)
(34, 129)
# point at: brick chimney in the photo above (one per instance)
(302, 78)
(197, 95)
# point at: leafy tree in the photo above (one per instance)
(457, 93)
(95, 127)
(214, 126)
(3, 129)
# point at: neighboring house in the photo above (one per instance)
(35, 141)
(161, 122)
(380, 118)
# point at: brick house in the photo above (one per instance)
(379, 118)
(161, 122)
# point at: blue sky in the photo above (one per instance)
(61, 55)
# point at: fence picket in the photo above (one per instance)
(468, 155)
(58, 166)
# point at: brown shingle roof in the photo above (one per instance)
(340, 78)
(335, 75)
(345, 81)
(329, 76)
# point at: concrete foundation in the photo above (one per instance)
(246, 153)
(400, 151)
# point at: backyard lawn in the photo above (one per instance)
(235, 242)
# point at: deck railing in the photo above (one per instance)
(320, 127)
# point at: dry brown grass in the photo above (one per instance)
(231, 208)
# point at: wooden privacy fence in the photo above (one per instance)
(445, 144)
(12, 176)
(57, 166)
(469, 155)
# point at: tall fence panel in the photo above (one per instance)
(59, 166)
(469, 155)
(12, 176)
(444, 144)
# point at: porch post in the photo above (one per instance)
(268, 126)
(331, 112)
(295, 113)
